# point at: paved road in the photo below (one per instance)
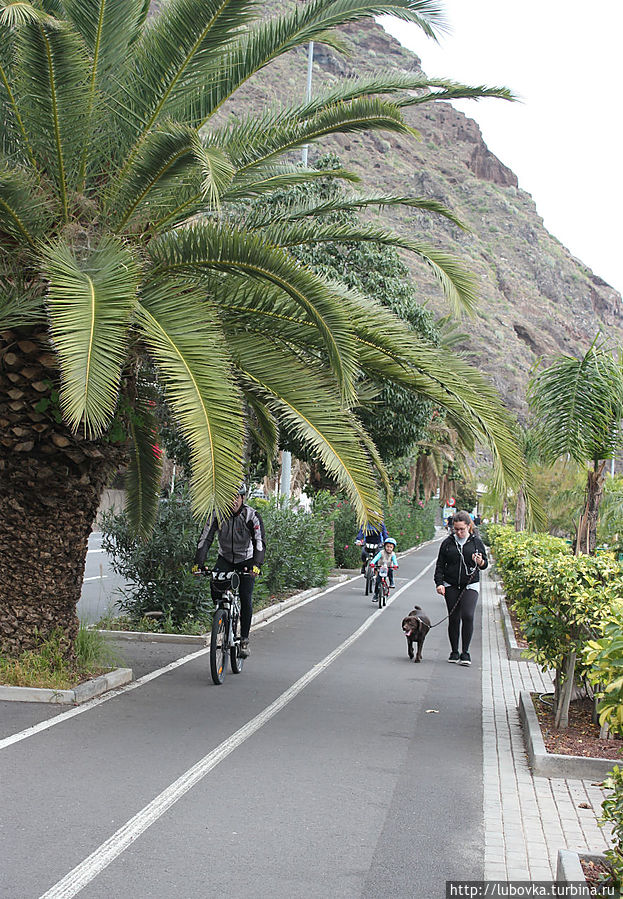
(99, 588)
(320, 771)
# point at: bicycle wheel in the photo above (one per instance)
(384, 592)
(234, 653)
(218, 646)
(369, 580)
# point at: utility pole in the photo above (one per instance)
(286, 457)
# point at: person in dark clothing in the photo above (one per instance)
(462, 556)
(373, 536)
(241, 547)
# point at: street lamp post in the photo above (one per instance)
(286, 457)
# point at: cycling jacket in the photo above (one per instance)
(376, 535)
(240, 537)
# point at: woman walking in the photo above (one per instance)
(462, 556)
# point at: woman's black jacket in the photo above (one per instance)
(451, 570)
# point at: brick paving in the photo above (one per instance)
(527, 819)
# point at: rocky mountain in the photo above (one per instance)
(535, 298)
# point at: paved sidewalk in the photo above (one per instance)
(527, 819)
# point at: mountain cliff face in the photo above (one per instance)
(535, 298)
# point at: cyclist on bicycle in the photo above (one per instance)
(385, 557)
(241, 547)
(375, 535)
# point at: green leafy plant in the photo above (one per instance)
(612, 814)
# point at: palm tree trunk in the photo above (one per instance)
(520, 511)
(51, 481)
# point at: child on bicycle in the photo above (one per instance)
(385, 557)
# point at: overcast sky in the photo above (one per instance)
(564, 140)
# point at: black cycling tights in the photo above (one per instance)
(247, 583)
(463, 615)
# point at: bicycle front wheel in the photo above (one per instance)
(236, 659)
(218, 646)
(369, 580)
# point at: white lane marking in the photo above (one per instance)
(95, 551)
(98, 577)
(113, 694)
(94, 864)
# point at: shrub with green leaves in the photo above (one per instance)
(612, 808)
(604, 658)
(562, 602)
(158, 568)
(408, 522)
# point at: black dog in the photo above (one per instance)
(415, 626)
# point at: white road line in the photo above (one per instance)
(87, 870)
(99, 577)
(95, 551)
(113, 694)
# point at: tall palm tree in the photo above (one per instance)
(579, 406)
(126, 247)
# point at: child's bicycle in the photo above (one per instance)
(382, 590)
(225, 637)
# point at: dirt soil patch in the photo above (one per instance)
(597, 873)
(519, 637)
(582, 735)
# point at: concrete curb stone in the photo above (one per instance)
(550, 764)
(83, 692)
(513, 650)
(569, 868)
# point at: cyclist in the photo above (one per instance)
(385, 557)
(241, 547)
(375, 535)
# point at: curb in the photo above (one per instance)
(513, 650)
(551, 764)
(569, 868)
(83, 692)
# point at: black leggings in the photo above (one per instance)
(247, 583)
(463, 614)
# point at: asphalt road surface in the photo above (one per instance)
(100, 584)
(332, 766)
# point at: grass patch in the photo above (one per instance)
(46, 666)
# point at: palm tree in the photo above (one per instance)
(579, 406)
(128, 254)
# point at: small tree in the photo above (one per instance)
(579, 406)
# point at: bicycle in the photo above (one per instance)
(384, 586)
(371, 549)
(225, 637)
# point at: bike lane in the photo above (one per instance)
(66, 791)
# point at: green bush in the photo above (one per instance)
(297, 551)
(612, 808)
(158, 569)
(409, 523)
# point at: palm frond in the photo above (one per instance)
(309, 405)
(272, 177)
(452, 90)
(186, 344)
(457, 284)
(255, 140)
(311, 21)
(176, 55)
(24, 215)
(19, 310)
(108, 28)
(262, 426)
(14, 141)
(18, 12)
(52, 70)
(90, 300)
(296, 211)
(579, 403)
(205, 248)
(142, 476)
